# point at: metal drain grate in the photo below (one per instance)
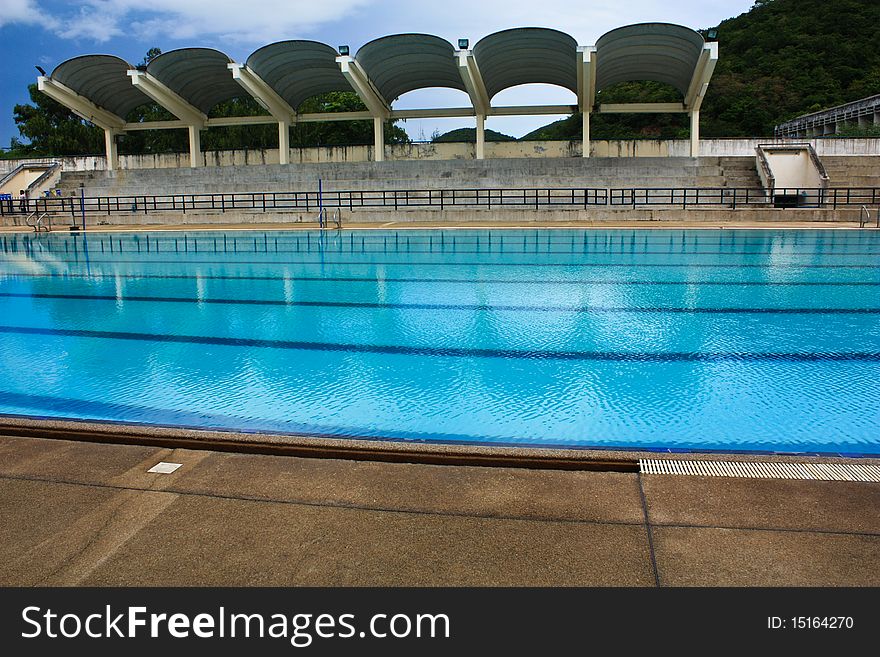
(814, 471)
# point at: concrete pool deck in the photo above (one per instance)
(80, 513)
(474, 225)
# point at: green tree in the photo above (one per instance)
(49, 128)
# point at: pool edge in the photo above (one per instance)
(360, 449)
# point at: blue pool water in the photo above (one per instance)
(704, 340)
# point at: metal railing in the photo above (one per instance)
(865, 217)
(39, 221)
(533, 198)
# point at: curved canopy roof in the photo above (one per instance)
(198, 75)
(103, 79)
(661, 52)
(298, 70)
(405, 62)
(525, 55)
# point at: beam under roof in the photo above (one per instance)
(365, 90)
(262, 93)
(473, 81)
(703, 71)
(81, 105)
(167, 98)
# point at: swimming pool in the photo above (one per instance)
(666, 339)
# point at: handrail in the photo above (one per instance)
(488, 198)
(768, 180)
(865, 216)
(38, 224)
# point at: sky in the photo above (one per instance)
(47, 32)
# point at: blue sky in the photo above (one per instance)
(46, 32)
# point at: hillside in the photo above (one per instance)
(469, 135)
(781, 59)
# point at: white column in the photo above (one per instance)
(110, 149)
(195, 146)
(283, 142)
(379, 139)
(585, 129)
(481, 137)
(695, 133)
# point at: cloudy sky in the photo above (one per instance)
(46, 32)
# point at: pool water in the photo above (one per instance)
(729, 340)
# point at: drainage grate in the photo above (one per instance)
(814, 471)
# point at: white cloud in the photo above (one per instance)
(231, 20)
(18, 11)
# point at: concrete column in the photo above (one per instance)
(695, 133)
(481, 137)
(283, 142)
(379, 139)
(195, 146)
(585, 130)
(111, 150)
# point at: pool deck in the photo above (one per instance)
(83, 513)
(490, 225)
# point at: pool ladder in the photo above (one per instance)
(39, 221)
(324, 219)
(865, 217)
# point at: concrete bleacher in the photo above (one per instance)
(852, 170)
(612, 172)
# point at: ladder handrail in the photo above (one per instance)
(324, 220)
(38, 221)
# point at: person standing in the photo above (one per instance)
(22, 201)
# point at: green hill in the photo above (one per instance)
(781, 59)
(469, 135)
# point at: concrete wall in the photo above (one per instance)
(459, 151)
(792, 168)
(470, 216)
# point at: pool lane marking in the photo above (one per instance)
(438, 306)
(493, 281)
(460, 352)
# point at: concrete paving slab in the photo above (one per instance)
(211, 541)
(732, 557)
(765, 503)
(506, 492)
(65, 459)
(34, 512)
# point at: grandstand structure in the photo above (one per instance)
(863, 113)
(189, 82)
